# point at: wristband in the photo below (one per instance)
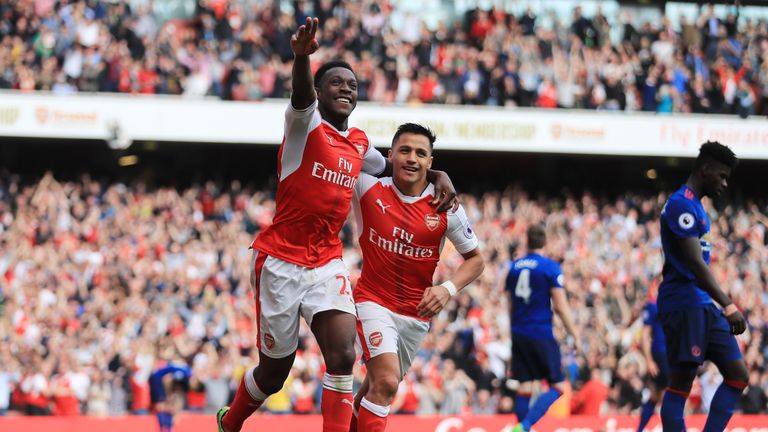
(450, 287)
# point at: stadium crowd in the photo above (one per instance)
(239, 50)
(101, 283)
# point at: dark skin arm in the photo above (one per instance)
(691, 249)
(303, 43)
(445, 194)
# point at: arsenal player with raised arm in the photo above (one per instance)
(401, 237)
(297, 267)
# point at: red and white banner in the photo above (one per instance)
(293, 423)
(166, 118)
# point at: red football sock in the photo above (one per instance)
(247, 400)
(337, 403)
(353, 422)
(372, 417)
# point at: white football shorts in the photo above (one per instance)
(380, 331)
(283, 290)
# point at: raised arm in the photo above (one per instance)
(691, 249)
(303, 44)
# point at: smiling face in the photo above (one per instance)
(411, 157)
(337, 93)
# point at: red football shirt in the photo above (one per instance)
(318, 167)
(401, 238)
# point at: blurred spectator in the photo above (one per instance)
(590, 399)
(754, 400)
(239, 50)
(106, 280)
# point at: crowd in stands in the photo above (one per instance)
(101, 283)
(239, 50)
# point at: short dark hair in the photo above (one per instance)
(415, 129)
(537, 236)
(713, 151)
(328, 66)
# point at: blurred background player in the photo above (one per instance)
(401, 238)
(297, 268)
(695, 329)
(174, 379)
(535, 284)
(655, 353)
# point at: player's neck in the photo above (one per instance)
(411, 189)
(694, 184)
(534, 251)
(339, 123)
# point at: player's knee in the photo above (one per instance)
(340, 362)
(736, 373)
(682, 381)
(271, 386)
(386, 386)
(270, 382)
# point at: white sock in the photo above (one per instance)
(381, 411)
(338, 383)
(253, 388)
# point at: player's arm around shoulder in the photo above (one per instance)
(462, 236)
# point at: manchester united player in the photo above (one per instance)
(695, 330)
(401, 236)
(297, 267)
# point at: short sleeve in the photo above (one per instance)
(649, 315)
(373, 161)
(556, 276)
(679, 215)
(460, 231)
(364, 182)
(298, 125)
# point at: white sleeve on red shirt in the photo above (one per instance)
(364, 183)
(298, 125)
(374, 162)
(460, 231)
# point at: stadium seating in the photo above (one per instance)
(107, 280)
(239, 50)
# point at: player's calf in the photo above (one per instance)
(727, 395)
(383, 380)
(673, 404)
(257, 384)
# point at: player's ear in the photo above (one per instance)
(429, 163)
(389, 155)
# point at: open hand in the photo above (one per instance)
(303, 42)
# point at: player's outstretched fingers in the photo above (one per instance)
(313, 24)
